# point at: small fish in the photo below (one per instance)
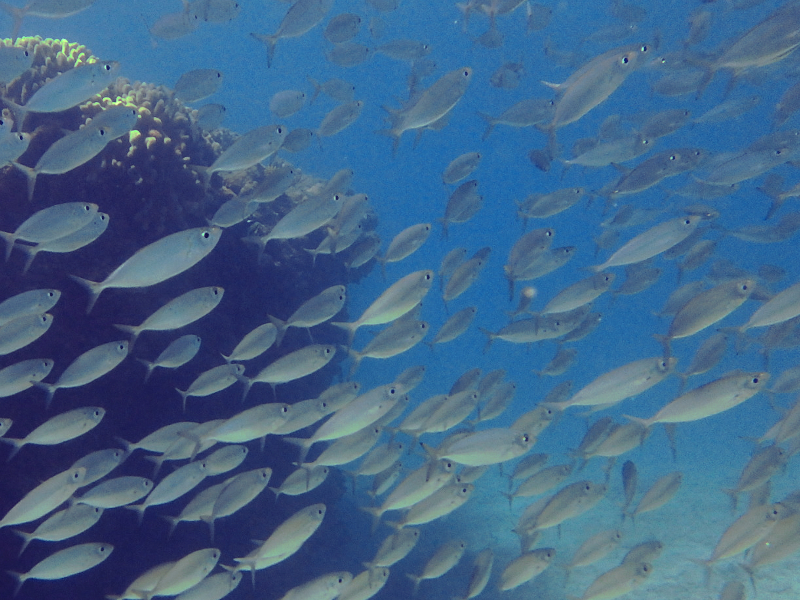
(319, 309)
(456, 325)
(186, 573)
(285, 540)
(255, 343)
(524, 113)
(181, 481)
(431, 106)
(176, 25)
(47, 496)
(59, 429)
(197, 84)
(462, 205)
(157, 262)
(178, 312)
(87, 367)
(243, 489)
(68, 243)
(443, 560)
(286, 103)
(340, 118)
(618, 581)
(215, 11)
(461, 167)
(28, 303)
(297, 140)
(661, 492)
(709, 399)
(14, 62)
(486, 447)
(22, 331)
(64, 563)
(324, 587)
(51, 223)
(406, 243)
(397, 300)
(652, 242)
(20, 376)
(292, 366)
(250, 149)
(62, 525)
(623, 382)
(212, 381)
(116, 492)
(301, 17)
(479, 574)
(210, 116)
(176, 354)
(526, 567)
(68, 89)
(342, 28)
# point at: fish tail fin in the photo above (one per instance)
(684, 378)
(184, 395)
(30, 175)
(20, 577)
(643, 422)
(173, 523)
(133, 330)
(734, 495)
(350, 328)
(269, 41)
(248, 383)
(93, 287)
(490, 120)
(356, 358)
(26, 539)
(138, 509)
(49, 388)
(17, 446)
(708, 75)
(751, 574)
(149, 366)
(280, 326)
(9, 239)
(490, 339)
(317, 89)
(392, 133)
(376, 513)
(30, 254)
(510, 497)
(665, 342)
(209, 520)
(417, 580)
(304, 444)
(706, 564)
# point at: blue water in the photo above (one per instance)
(405, 188)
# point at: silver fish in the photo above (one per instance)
(157, 262)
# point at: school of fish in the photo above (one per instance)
(400, 480)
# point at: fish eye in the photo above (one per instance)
(285, 409)
(624, 60)
(754, 380)
(687, 221)
(673, 157)
(644, 48)
(466, 73)
(428, 276)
